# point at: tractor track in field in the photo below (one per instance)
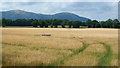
(106, 59)
(103, 61)
(36, 48)
(75, 52)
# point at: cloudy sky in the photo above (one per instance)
(93, 10)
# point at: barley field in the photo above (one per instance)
(65, 47)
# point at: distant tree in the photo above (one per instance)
(51, 24)
(59, 21)
(0, 22)
(83, 23)
(109, 23)
(5, 22)
(41, 23)
(103, 24)
(63, 25)
(35, 23)
(49, 21)
(46, 23)
(97, 25)
(116, 23)
(89, 23)
(55, 23)
(80, 23)
(76, 24)
(94, 22)
(63, 22)
(70, 23)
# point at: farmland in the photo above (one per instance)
(65, 47)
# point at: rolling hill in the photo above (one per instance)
(20, 14)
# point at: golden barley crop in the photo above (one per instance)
(65, 47)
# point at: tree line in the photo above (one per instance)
(54, 23)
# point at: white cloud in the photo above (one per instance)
(41, 7)
(101, 11)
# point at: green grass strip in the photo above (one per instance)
(13, 44)
(75, 52)
(36, 48)
(105, 60)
